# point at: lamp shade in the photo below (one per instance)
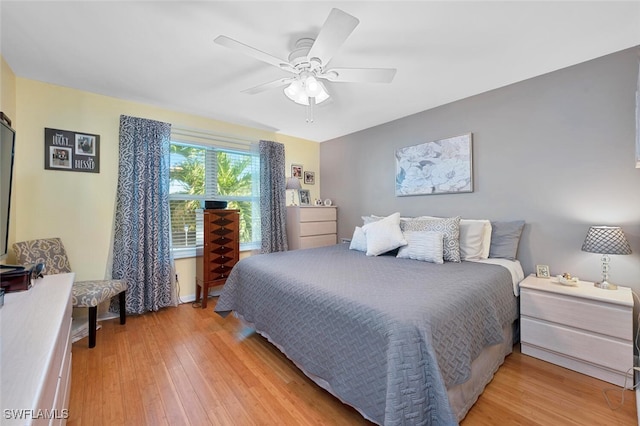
(300, 91)
(606, 240)
(293, 183)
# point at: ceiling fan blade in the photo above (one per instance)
(253, 52)
(359, 75)
(268, 86)
(338, 26)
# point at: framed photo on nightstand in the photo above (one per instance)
(542, 271)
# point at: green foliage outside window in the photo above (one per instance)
(232, 177)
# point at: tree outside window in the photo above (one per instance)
(201, 173)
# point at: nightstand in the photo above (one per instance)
(582, 328)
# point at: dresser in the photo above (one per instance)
(582, 328)
(35, 358)
(219, 251)
(309, 227)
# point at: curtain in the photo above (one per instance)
(141, 242)
(273, 209)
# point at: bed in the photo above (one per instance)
(400, 340)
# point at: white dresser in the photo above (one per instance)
(35, 351)
(309, 227)
(583, 328)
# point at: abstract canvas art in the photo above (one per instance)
(439, 167)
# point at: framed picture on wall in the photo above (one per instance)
(444, 166)
(71, 151)
(309, 178)
(296, 170)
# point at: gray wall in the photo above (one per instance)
(557, 151)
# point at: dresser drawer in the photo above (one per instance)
(317, 241)
(596, 349)
(317, 228)
(317, 214)
(598, 317)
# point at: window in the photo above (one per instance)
(200, 173)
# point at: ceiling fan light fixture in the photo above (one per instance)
(299, 92)
(312, 86)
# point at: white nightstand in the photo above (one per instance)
(583, 328)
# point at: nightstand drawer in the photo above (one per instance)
(608, 319)
(610, 353)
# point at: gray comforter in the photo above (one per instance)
(388, 335)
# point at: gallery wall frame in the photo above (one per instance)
(309, 178)
(297, 170)
(71, 151)
(442, 166)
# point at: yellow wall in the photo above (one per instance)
(79, 207)
(7, 90)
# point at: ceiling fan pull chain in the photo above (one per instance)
(312, 102)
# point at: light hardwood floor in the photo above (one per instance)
(187, 366)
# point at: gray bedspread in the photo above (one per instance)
(388, 335)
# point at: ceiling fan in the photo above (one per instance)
(308, 63)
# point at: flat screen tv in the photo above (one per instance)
(7, 142)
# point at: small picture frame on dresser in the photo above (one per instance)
(542, 271)
(305, 197)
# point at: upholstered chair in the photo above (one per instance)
(85, 294)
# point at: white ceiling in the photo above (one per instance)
(162, 53)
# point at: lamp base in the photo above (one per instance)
(606, 285)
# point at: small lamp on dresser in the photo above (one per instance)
(293, 183)
(606, 240)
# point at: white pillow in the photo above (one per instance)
(422, 245)
(475, 239)
(359, 240)
(384, 235)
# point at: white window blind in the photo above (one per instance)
(215, 171)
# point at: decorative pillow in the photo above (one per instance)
(370, 219)
(450, 229)
(384, 235)
(475, 239)
(359, 240)
(422, 245)
(505, 237)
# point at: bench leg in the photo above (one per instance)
(123, 310)
(93, 322)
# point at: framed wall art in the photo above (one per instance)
(71, 151)
(440, 167)
(309, 178)
(296, 170)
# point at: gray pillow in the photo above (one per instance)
(505, 237)
(449, 227)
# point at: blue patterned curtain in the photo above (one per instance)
(273, 208)
(141, 243)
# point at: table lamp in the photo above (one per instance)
(606, 240)
(293, 183)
